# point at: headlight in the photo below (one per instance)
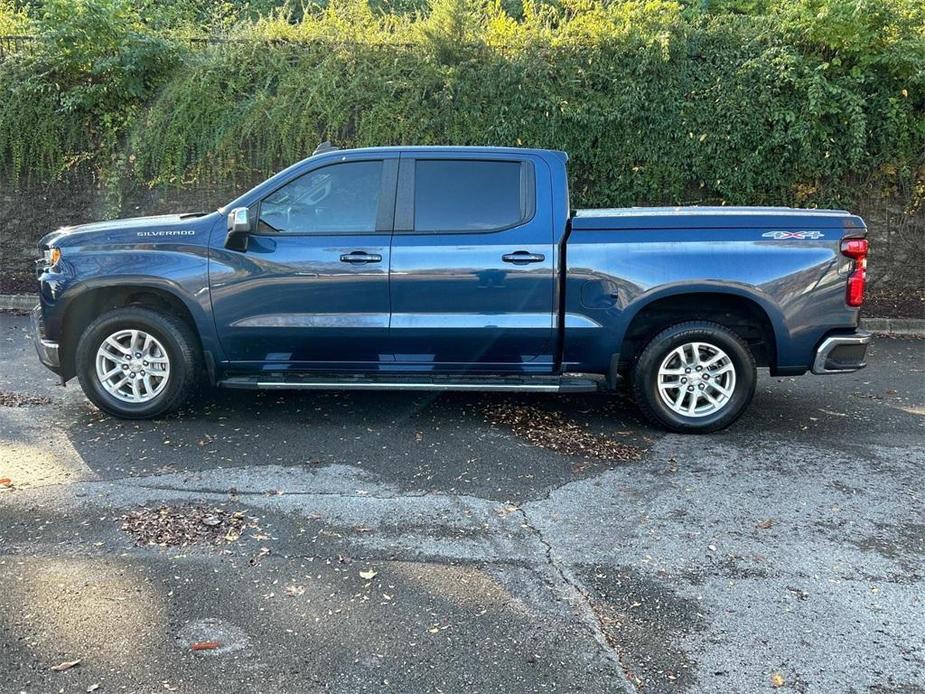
(52, 256)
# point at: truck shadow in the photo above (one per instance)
(491, 445)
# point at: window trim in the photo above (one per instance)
(404, 214)
(385, 212)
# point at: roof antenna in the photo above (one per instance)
(325, 146)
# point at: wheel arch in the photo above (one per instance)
(751, 316)
(96, 299)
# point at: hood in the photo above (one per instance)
(169, 227)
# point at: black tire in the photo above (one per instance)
(180, 344)
(645, 377)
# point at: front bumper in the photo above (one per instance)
(842, 353)
(46, 349)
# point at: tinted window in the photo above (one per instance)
(470, 195)
(341, 197)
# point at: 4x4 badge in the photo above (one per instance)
(784, 235)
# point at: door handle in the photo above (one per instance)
(523, 258)
(358, 257)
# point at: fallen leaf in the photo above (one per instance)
(264, 551)
(66, 665)
(368, 575)
(93, 687)
(765, 524)
(507, 509)
(777, 680)
(205, 646)
(6, 482)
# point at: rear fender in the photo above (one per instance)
(745, 291)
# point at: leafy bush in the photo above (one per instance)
(654, 105)
(78, 89)
(13, 19)
(738, 101)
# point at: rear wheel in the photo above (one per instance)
(694, 377)
(137, 363)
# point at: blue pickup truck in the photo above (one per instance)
(451, 268)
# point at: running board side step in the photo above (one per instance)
(577, 383)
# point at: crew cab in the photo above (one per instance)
(451, 268)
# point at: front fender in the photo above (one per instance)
(93, 275)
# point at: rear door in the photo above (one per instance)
(472, 264)
(311, 291)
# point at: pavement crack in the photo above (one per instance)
(577, 596)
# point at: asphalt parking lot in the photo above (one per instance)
(437, 543)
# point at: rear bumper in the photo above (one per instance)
(842, 353)
(46, 349)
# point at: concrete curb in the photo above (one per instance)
(18, 302)
(899, 327)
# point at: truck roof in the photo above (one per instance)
(446, 148)
(697, 217)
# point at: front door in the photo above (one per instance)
(473, 264)
(311, 291)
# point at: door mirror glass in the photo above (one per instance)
(239, 226)
(239, 220)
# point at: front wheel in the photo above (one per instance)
(137, 363)
(694, 377)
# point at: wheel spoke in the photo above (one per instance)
(111, 342)
(693, 405)
(717, 387)
(113, 372)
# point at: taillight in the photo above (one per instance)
(856, 249)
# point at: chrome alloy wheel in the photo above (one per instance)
(132, 366)
(696, 379)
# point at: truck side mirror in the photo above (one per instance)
(239, 226)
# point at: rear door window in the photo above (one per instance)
(471, 195)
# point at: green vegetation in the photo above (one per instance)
(740, 101)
